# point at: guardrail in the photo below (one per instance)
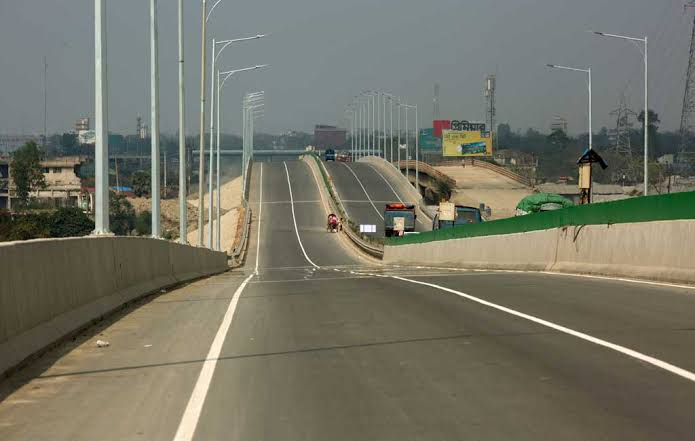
(239, 251)
(487, 165)
(373, 250)
(426, 169)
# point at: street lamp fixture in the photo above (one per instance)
(646, 97)
(587, 71)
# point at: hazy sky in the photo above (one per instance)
(322, 52)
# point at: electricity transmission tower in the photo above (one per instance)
(688, 113)
(622, 147)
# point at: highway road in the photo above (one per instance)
(308, 341)
(364, 192)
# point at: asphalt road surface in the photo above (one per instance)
(310, 342)
(365, 192)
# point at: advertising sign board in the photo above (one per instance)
(466, 143)
(428, 141)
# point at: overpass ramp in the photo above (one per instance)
(476, 185)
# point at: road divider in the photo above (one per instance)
(369, 248)
(51, 288)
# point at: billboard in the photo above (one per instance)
(428, 141)
(439, 125)
(466, 143)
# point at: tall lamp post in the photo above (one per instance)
(224, 44)
(587, 71)
(183, 209)
(154, 123)
(101, 123)
(646, 100)
(222, 78)
(417, 142)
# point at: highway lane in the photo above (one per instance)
(346, 351)
(365, 192)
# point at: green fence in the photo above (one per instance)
(641, 209)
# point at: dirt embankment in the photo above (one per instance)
(230, 202)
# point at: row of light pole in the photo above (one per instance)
(369, 120)
(101, 123)
(646, 98)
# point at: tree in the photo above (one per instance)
(122, 215)
(70, 222)
(652, 129)
(141, 183)
(143, 223)
(26, 171)
(558, 138)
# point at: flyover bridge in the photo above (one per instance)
(309, 340)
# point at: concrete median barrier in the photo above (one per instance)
(660, 250)
(50, 288)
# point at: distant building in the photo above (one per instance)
(87, 137)
(329, 137)
(63, 184)
(82, 125)
(10, 143)
(667, 159)
(558, 123)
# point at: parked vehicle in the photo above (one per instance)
(463, 216)
(344, 157)
(399, 219)
(329, 155)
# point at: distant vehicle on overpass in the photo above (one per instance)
(329, 155)
(399, 219)
(464, 215)
(344, 156)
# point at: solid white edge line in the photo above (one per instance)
(394, 192)
(189, 420)
(621, 349)
(294, 217)
(364, 190)
(260, 214)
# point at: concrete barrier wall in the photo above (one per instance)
(52, 287)
(663, 251)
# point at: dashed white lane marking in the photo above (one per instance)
(364, 190)
(621, 349)
(294, 218)
(191, 415)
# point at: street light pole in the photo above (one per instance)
(644, 40)
(101, 123)
(201, 143)
(154, 98)
(587, 71)
(183, 208)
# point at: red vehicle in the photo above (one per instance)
(332, 223)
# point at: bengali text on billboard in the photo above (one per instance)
(466, 143)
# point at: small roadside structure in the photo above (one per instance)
(588, 158)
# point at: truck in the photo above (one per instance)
(399, 219)
(463, 215)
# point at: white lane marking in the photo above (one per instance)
(557, 273)
(387, 183)
(364, 190)
(260, 214)
(189, 420)
(287, 202)
(394, 192)
(294, 217)
(622, 349)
